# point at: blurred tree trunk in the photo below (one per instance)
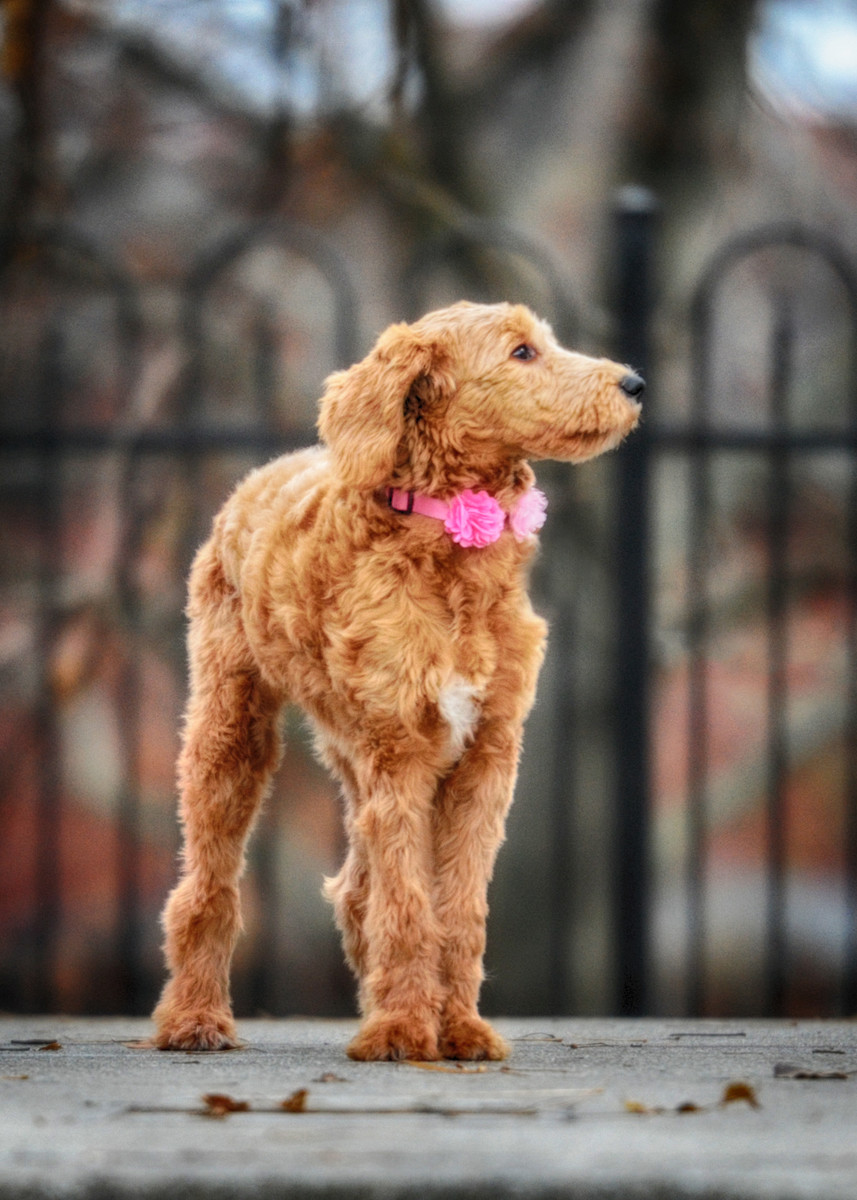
(21, 65)
(686, 119)
(451, 106)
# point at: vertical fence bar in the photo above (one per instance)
(635, 217)
(699, 522)
(849, 967)
(563, 793)
(262, 976)
(46, 923)
(776, 615)
(846, 272)
(126, 977)
(129, 976)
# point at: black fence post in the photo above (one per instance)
(635, 219)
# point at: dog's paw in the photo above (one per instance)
(197, 1033)
(393, 1037)
(471, 1038)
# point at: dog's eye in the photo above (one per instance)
(525, 352)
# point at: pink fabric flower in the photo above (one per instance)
(529, 513)
(474, 519)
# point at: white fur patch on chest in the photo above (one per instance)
(458, 703)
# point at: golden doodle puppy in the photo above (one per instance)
(380, 583)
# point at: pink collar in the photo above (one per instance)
(475, 518)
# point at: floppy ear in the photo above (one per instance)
(362, 416)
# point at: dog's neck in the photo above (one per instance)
(505, 481)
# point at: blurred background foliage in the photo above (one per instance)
(207, 205)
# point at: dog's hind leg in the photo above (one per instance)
(348, 890)
(230, 750)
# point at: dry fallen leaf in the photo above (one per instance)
(296, 1103)
(51, 1046)
(738, 1091)
(634, 1106)
(218, 1105)
(786, 1070)
(732, 1092)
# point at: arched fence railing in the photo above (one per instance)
(701, 440)
(53, 425)
(780, 442)
(38, 394)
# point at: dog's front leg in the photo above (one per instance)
(468, 831)
(400, 988)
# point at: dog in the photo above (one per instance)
(379, 581)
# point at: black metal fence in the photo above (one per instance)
(779, 446)
(111, 473)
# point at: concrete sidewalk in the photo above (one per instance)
(583, 1108)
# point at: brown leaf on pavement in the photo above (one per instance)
(218, 1105)
(295, 1103)
(784, 1070)
(738, 1091)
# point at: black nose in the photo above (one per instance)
(632, 385)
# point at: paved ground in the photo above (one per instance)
(583, 1108)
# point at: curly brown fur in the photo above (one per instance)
(415, 658)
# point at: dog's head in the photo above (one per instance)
(468, 391)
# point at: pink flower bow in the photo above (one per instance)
(474, 519)
(529, 514)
